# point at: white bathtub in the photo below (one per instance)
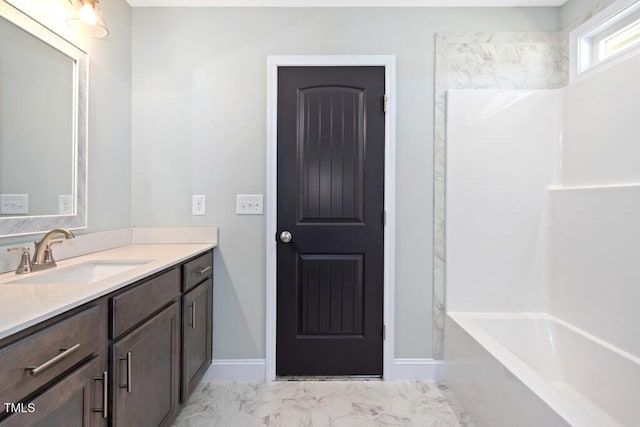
(535, 370)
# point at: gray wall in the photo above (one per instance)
(574, 12)
(110, 122)
(199, 107)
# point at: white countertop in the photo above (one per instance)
(23, 305)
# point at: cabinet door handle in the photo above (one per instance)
(193, 315)
(128, 360)
(204, 270)
(35, 370)
(105, 393)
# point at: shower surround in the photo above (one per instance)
(542, 225)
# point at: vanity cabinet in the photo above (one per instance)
(196, 321)
(129, 358)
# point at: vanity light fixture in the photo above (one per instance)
(86, 18)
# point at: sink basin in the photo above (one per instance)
(88, 272)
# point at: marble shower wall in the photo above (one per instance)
(483, 61)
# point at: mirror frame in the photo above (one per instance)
(23, 225)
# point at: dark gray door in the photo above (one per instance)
(331, 210)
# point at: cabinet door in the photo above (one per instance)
(145, 367)
(76, 400)
(196, 335)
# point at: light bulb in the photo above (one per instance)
(86, 18)
(88, 15)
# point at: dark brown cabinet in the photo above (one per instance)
(145, 371)
(125, 359)
(196, 335)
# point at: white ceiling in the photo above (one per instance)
(345, 3)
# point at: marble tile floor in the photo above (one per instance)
(322, 403)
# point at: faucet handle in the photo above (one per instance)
(25, 260)
(48, 253)
(23, 249)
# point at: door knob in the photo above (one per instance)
(285, 237)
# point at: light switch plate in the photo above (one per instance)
(199, 204)
(14, 204)
(249, 204)
(65, 204)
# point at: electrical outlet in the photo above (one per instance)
(65, 204)
(249, 204)
(199, 205)
(14, 204)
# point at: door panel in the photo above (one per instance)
(331, 199)
(331, 292)
(331, 150)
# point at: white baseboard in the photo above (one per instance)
(241, 370)
(417, 369)
(254, 370)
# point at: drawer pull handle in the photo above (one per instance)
(204, 270)
(193, 315)
(35, 370)
(128, 386)
(105, 393)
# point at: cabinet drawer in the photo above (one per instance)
(75, 400)
(134, 306)
(36, 360)
(197, 270)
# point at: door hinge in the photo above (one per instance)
(385, 101)
(384, 332)
(384, 218)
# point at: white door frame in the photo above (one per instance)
(389, 64)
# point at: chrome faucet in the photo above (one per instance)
(43, 257)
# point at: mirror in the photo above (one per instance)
(43, 127)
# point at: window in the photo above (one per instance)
(607, 38)
(620, 40)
